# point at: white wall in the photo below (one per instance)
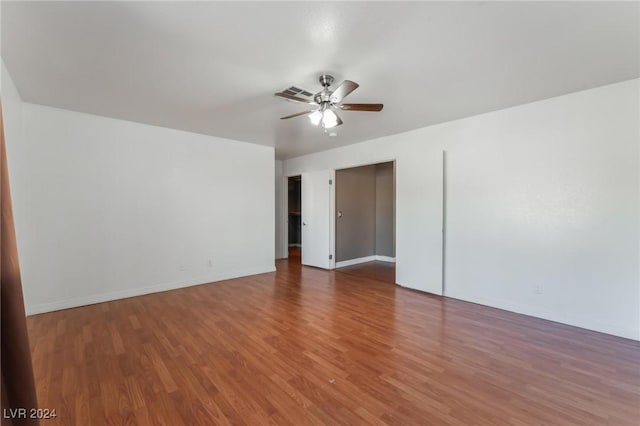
(281, 211)
(544, 194)
(418, 200)
(107, 208)
(11, 108)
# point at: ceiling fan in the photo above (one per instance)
(326, 101)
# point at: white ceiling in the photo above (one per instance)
(212, 67)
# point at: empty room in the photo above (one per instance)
(320, 213)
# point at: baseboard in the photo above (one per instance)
(365, 259)
(350, 262)
(140, 291)
(588, 324)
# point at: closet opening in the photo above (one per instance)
(365, 221)
(294, 218)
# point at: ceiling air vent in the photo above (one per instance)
(296, 91)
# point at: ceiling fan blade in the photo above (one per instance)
(361, 107)
(298, 114)
(339, 122)
(294, 98)
(343, 90)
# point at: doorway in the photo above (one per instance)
(309, 215)
(294, 218)
(365, 221)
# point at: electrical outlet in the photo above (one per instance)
(537, 289)
(182, 267)
(210, 263)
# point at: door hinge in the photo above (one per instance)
(330, 181)
(330, 256)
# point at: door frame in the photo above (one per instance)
(332, 218)
(332, 214)
(285, 212)
(395, 207)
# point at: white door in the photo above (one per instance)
(317, 208)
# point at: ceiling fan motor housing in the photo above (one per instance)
(323, 97)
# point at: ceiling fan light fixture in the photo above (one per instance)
(329, 119)
(315, 117)
(325, 100)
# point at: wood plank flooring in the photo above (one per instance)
(306, 346)
(376, 270)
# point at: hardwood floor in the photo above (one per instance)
(295, 253)
(380, 271)
(307, 346)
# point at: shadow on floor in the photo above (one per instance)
(379, 271)
(295, 254)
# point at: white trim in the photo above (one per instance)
(365, 260)
(123, 294)
(357, 164)
(284, 215)
(355, 261)
(332, 220)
